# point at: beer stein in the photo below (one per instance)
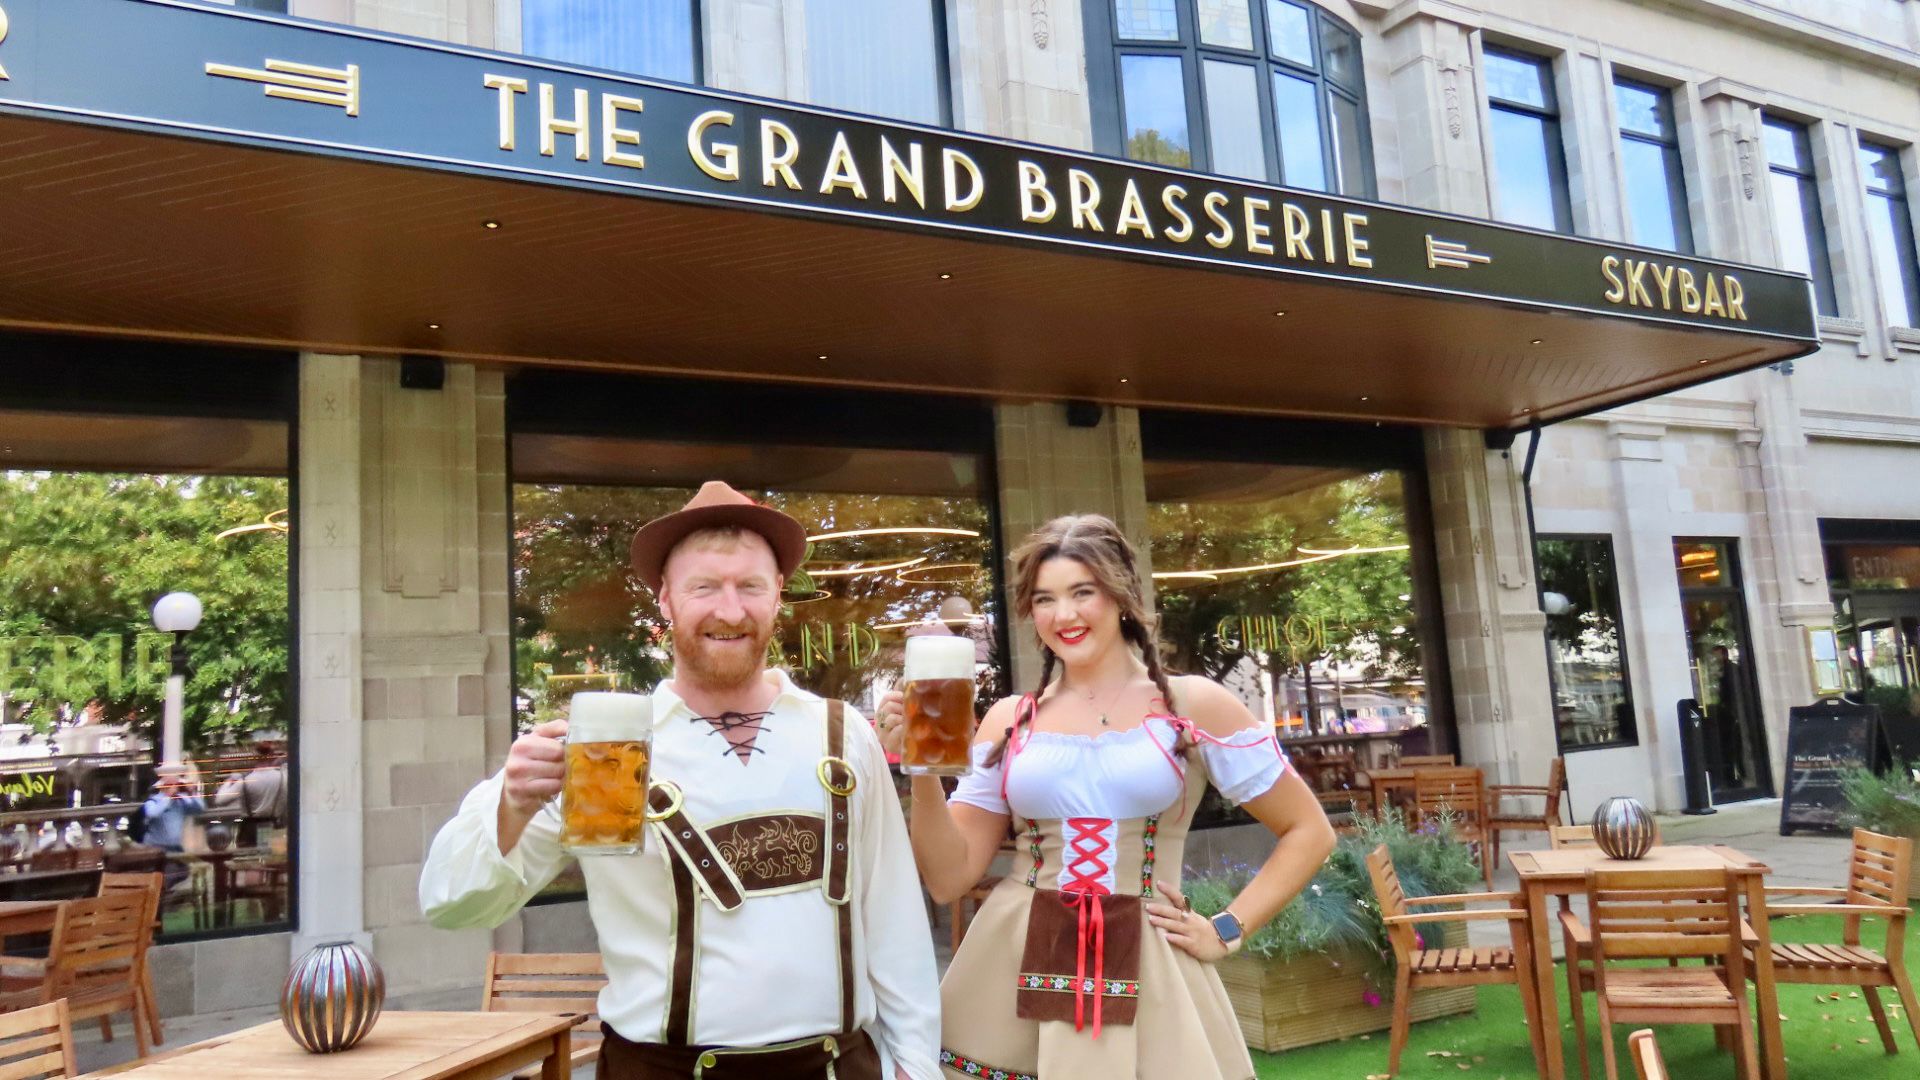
(603, 800)
(938, 687)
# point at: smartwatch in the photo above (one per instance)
(1227, 925)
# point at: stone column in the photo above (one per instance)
(1048, 468)
(1496, 650)
(1030, 59)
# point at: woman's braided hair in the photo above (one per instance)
(1097, 543)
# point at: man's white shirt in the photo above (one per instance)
(767, 971)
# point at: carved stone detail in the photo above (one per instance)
(1042, 24)
(1450, 93)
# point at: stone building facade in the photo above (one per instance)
(404, 632)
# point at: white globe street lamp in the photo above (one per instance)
(175, 613)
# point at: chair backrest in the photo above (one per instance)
(1645, 1052)
(1392, 900)
(1456, 791)
(1877, 872)
(1422, 761)
(36, 1042)
(1637, 914)
(1571, 836)
(1556, 786)
(100, 934)
(548, 983)
(152, 885)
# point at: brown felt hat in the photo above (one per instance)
(714, 505)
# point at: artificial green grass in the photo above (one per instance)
(1823, 1038)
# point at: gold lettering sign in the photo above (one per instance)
(1658, 286)
(301, 82)
(3, 38)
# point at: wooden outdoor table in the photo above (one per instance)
(401, 1046)
(1564, 873)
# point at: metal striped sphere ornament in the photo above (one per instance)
(332, 997)
(1624, 829)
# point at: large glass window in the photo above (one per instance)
(1797, 224)
(1293, 585)
(1530, 168)
(1580, 593)
(885, 57)
(1273, 88)
(1650, 162)
(1891, 226)
(901, 537)
(645, 37)
(115, 489)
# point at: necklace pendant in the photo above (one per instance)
(1103, 719)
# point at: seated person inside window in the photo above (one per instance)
(167, 812)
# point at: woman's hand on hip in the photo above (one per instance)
(1187, 929)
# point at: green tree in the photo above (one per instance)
(84, 556)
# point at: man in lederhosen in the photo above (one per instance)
(773, 927)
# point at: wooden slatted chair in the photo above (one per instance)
(1503, 821)
(92, 963)
(1876, 876)
(154, 885)
(36, 1043)
(1571, 836)
(1645, 1051)
(1418, 968)
(1429, 761)
(1672, 914)
(551, 983)
(1461, 794)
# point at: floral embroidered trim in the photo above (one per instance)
(1146, 859)
(966, 1066)
(1064, 984)
(1033, 845)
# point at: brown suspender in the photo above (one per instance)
(698, 867)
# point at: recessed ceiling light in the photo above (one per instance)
(822, 356)
(1123, 378)
(946, 277)
(491, 224)
(1538, 341)
(1526, 410)
(1703, 361)
(1277, 314)
(433, 326)
(1364, 397)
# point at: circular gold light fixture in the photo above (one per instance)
(913, 576)
(913, 531)
(275, 522)
(814, 597)
(876, 568)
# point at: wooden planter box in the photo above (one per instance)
(1284, 1004)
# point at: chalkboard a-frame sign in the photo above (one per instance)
(1823, 742)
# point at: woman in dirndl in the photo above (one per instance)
(1087, 961)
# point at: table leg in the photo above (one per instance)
(1556, 1062)
(559, 1062)
(1766, 1000)
(1529, 997)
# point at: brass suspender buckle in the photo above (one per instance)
(674, 799)
(826, 776)
(711, 1058)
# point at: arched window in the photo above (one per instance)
(1264, 89)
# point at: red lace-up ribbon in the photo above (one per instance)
(1082, 891)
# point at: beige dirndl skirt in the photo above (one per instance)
(1184, 1026)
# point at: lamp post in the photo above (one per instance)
(175, 613)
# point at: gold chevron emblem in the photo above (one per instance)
(1453, 256)
(302, 82)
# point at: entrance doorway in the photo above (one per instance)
(1886, 643)
(1720, 655)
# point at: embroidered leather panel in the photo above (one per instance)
(773, 851)
(967, 1066)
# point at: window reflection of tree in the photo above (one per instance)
(577, 607)
(1348, 610)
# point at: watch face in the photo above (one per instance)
(1227, 927)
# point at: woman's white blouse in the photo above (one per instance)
(1119, 775)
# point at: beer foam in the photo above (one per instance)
(605, 716)
(932, 656)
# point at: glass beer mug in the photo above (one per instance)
(603, 800)
(938, 687)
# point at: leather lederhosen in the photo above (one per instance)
(827, 1057)
(733, 861)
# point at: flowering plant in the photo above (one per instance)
(1336, 914)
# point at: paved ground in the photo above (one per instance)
(1751, 827)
